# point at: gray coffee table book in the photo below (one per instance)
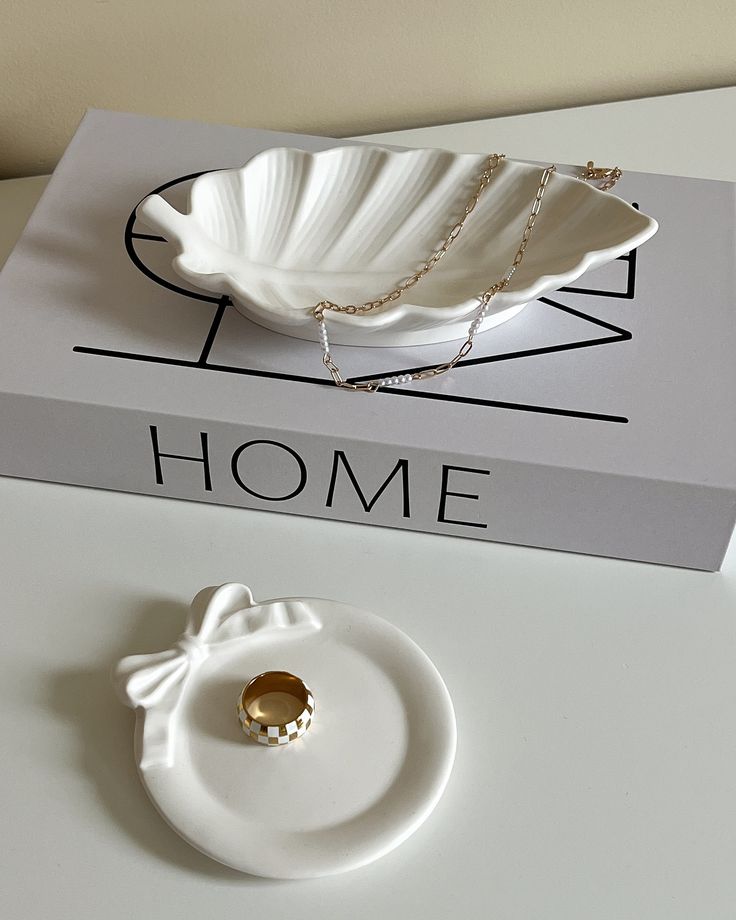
(600, 420)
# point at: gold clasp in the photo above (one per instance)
(609, 176)
(596, 172)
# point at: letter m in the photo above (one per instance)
(402, 466)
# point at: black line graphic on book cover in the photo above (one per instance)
(222, 303)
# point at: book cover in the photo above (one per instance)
(599, 420)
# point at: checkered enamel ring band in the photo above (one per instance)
(275, 708)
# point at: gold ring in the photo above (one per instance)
(275, 708)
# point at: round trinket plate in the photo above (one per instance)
(367, 773)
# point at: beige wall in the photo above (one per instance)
(340, 67)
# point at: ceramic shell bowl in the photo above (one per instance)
(291, 228)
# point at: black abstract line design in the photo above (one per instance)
(617, 334)
(296, 378)
(213, 330)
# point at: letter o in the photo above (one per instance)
(269, 498)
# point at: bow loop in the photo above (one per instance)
(214, 606)
(144, 680)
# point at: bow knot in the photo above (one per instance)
(193, 648)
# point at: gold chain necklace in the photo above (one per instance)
(608, 178)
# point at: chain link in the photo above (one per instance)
(608, 177)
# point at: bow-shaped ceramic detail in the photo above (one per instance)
(155, 683)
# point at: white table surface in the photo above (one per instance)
(602, 782)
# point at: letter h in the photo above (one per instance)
(158, 454)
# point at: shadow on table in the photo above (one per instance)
(105, 727)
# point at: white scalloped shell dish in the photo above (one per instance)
(347, 224)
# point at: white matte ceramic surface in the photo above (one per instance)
(292, 228)
(368, 772)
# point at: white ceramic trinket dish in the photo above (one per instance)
(292, 228)
(367, 773)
